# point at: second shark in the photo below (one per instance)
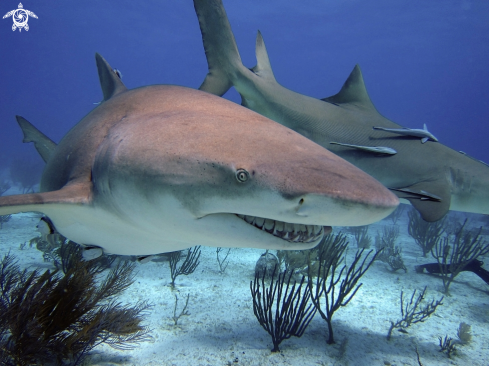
(432, 177)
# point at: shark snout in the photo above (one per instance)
(328, 191)
(345, 209)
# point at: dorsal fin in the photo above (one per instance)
(263, 67)
(353, 91)
(109, 81)
(43, 144)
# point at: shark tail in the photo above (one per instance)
(220, 47)
(43, 144)
(224, 62)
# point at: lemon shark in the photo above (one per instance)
(161, 168)
(432, 177)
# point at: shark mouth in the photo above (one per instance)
(294, 233)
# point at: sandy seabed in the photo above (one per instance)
(221, 328)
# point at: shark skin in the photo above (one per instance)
(162, 168)
(432, 177)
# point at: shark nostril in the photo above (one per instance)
(301, 201)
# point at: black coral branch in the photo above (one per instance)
(283, 309)
(337, 285)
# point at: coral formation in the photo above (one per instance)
(454, 254)
(389, 252)
(361, 236)
(425, 234)
(184, 311)
(397, 214)
(49, 317)
(188, 266)
(447, 345)
(222, 261)
(282, 309)
(266, 264)
(411, 314)
(338, 286)
(463, 333)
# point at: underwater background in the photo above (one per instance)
(423, 63)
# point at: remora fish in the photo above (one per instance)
(372, 149)
(424, 134)
(161, 168)
(433, 177)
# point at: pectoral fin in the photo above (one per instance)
(431, 199)
(73, 194)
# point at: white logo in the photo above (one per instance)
(20, 17)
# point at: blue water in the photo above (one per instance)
(423, 62)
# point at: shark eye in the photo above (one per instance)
(242, 175)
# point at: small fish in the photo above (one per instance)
(118, 73)
(48, 232)
(420, 194)
(45, 227)
(91, 252)
(424, 134)
(373, 149)
(145, 259)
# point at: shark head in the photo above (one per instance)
(162, 168)
(217, 174)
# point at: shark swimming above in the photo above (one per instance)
(431, 176)
(162, 168)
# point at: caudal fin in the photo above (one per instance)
(220, 47)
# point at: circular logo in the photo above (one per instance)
(20, 18)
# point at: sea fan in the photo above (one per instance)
(52, 317)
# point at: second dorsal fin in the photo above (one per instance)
(263, 67)
(109, 81)
(353, 91)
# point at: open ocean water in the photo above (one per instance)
(423, 63)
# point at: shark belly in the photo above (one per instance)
(139, 227)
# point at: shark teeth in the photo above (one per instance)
(294, 233)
